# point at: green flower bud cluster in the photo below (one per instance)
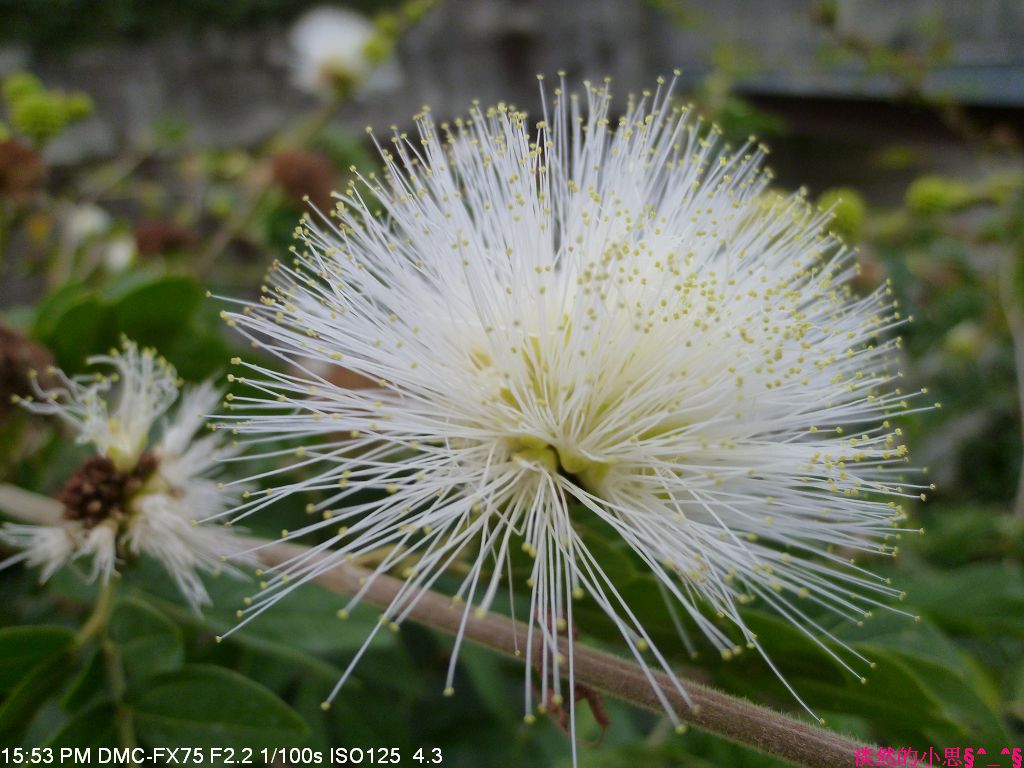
(40, 113)
(848, 211)
(965, 340)
(940, 194)
(390, 25)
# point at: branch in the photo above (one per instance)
(29, 507)
(714, 711)
(719, 713)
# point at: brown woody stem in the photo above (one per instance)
(713, 711)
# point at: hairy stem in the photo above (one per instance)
(719, 713)
(114, 666)
(714, 711)
(123, 714)
(96, 625)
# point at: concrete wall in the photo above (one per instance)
(234, 88)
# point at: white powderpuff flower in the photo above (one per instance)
(329, 49)
(142, 494)
(161, 528)
(100, 545)
(582, 323)
(46, 547)
(116, 423)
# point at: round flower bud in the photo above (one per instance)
(938, 194)
(848, 211)
(20, 84)
(964, 340)
(79, 106)
(39, 116)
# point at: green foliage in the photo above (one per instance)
(149, 642)
(31, 692)
(167, 701)
(739, 120)
(943, 254)
(95, 726)
(38, 116)
(209, 706)
(938, 194)
(922, 688)
(163, 310)
(20, 85)
(848, 211)
(87, 685)
(22, 649)
(38, 113)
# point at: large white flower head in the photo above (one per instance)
(573, 321)
(141, 494)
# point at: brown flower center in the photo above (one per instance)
(98, 490)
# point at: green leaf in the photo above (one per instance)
(202, 351)
(154, 309)
(485, 670)
(75, 328)
(306, 621)
(158, 310)
(344, 148)
(961, 535)
(23, 648)
(922, 686)
(227, 594)
(50, 309)
(94, 726)
(1015, 705)
(88, 683)
(35, 688)
(921, 641)
(149, 642)
(128, 281)
(208, 706)
(983, 600)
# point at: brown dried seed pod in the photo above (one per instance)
(19, 357)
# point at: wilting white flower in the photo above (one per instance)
(576, 324)
(139, 495)
(330, 51)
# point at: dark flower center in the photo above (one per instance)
(99, 490)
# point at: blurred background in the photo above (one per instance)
(152, 151)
